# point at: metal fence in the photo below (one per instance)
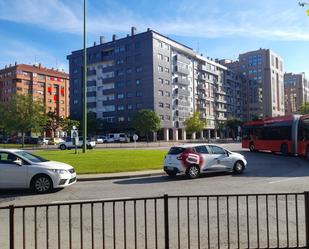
(203, 221)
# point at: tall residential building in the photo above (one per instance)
(149, 70)
(49, 86)
(263, 89)
(296, 90)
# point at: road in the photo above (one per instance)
(265, 173)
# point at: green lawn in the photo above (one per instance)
(108, 161)
(17, 146)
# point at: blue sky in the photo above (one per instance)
(47, 30)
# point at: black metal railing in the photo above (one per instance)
(198, 221)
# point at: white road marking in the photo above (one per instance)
(285, 180)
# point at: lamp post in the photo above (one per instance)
(85, 87)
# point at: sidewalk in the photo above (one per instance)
(121, 175)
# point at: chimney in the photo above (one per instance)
(148, 29)
(133, 31)
(128, 35)
(114, 37)
(40, 65)
(94, 44)
(15, 63)
(102, 39)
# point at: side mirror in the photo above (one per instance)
(227, 153)
(18, 162)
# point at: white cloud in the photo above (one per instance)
(189, 18)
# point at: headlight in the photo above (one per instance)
(59, 171)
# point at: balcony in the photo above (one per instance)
(182, 92)
(201, 86)
(181, 70)
(182, 59)
(182, 103)
(201, 106)
(182, 81)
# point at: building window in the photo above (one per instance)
(166, 70)
(121, 84)
(168, 106)
(139, 94)
(167, 117)
(167, 94)
(137, 45)
(160, 81)
(139, 106)
(160, 68)
(120, 96)
(160, 92)
(161, 105)
(160, 56)
(121, 119)
(120, 107)
(138, 82)
(129, 70)
(121, 61)
(130, 106)
(166, 58)
(167, 82)
(139, 69)
(129, 95)
(161, 117)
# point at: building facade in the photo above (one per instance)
(296, 91)
(263, 83)
(151, 71)
(49, 86)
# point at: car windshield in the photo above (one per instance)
(176, 150)
(31, 157)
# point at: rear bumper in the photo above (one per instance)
(171, 169)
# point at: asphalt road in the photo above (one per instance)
(266, 173)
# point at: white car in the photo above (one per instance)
(20, 169)
(193, 159)
(69, 144)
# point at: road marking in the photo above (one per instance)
(285, 180)
(94, 200)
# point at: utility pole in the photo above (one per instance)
(85, 87)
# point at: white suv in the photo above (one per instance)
(69, 144)
(193, 159)
(20, 169)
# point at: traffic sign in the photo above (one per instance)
(135, 137)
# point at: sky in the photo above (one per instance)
(46, 31)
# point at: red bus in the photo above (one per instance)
(288, 135)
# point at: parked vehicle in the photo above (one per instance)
(101, 139)
(20, 169)
(69, 144)
(194, 159)
(288, 135)
(55, 141)
(117, 137)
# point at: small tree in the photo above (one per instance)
(53, 122)
(23, 114)
(304, 108)
(67, 124)
(145, 121)
(194, 123)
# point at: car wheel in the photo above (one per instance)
(42, 184)
(284, 149)
(238, 167)
(171, 173)
(251, 147)
(193, 172)
(62, 147)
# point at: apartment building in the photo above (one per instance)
(149, 70)
(296, 91)
(50, 86)
(263, 87)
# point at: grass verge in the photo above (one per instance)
(108, 161)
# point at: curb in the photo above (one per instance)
(100, 178)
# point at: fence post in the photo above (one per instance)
(166, 225)
(11, 224)
(306, 195)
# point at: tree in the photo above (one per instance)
(24, 114)
(67, 124)
(304, 108)
(194, 123)
(232, 124)
(145, 121)
(53, 122)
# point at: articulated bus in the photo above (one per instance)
(288, 135)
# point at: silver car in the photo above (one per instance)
(193, 159)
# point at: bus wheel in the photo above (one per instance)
(251, 147)
(284, 149)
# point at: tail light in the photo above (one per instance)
(179, 157)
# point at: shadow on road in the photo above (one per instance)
(11, 194)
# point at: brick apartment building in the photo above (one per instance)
(47, 85)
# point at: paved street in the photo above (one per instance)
(266, 172)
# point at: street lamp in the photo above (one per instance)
(85, 87)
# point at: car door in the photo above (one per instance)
(221, 160)
(11, 174)
(208, 158)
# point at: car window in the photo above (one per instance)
(176, 150)
(7, 158)
(31, 157)
(201, 149)
(216, 149)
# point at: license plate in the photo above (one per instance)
(170, 168)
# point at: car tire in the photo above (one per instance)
(284, 149)
(62, 147)
(252, 147)
(171, 173)
(193, 172)
(41, 184)
(238, 167)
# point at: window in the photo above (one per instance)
(121, 84)
(120, 108)
(167, 82)
(160, 81)
(129, 70)
(167, 117)
(168, 106)
(161, 117)
(161, 104)
(138, 82)
(139, 106)
(129, 95)
(201, 149)
(160, 92)
(139, 69)
(137, 45)
(121, 119)
(121, 61)
(216, 150)
(120, 96)
(108, 108)
(167, 94)
(166, 70)
(7, 158)
(139, 94)
(160, 68)
(166, 58)
(130, 106)
(160, 56)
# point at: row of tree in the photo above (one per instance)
(22, 114)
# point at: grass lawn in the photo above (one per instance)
(108, 161)
(17, 146)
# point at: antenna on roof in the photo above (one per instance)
(197, 47)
